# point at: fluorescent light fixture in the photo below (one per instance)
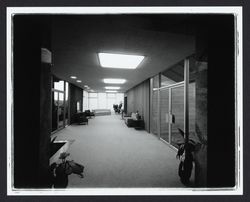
(73, 77)
(112, 87)
(86, 86)
(111, 91)
(78, 81)
(122, 61)
(114, 81)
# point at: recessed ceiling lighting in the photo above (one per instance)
(73, 77)
(78, 81)
(110, 60)
(111, 91)
(112, 87)
(114, 81)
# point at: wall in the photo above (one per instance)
(201, 124)
(32, 123)
(138, 99)
(215, 100)
(75, 95)
(221, 102)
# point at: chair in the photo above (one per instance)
(88, 113)
(81, 118)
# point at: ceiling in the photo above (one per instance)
(164, 40)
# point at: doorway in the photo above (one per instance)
(172, 114)
(173, 103)
(60, 104)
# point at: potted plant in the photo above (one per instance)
(186, 156)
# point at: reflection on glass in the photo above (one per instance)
(66, 103)
(78, 108)
(156, 81)
(192, 98)
(192, 134)
(58, 84)
(164, 111)
(178, 113)
(85, 100)
(54, 110)
(60, 110)
(154, 117)
(173, 75)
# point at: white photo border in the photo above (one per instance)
(236, 11)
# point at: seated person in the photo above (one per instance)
(132, 121)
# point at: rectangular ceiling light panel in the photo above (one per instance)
(114, 81)
(112, 87)
(109, 60)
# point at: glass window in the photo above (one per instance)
(119, 98)
(154, 117)
(93, 94)
(93, 103)
(102, 101)
(164, 114)
(156, 81)
(85, 105)
(173, 74)
(58, 84)
(110, 103)
(112, 95)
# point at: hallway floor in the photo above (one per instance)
(117, 156)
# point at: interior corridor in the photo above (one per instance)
(117, 156)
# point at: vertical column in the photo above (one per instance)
(200, 155)
(159, 107)
(45, 125)
(169, 112)
(186, 110)
(151, 105)
(159, 115)
(64, 97)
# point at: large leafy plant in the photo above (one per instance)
(185, 155)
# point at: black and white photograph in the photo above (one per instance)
(124, 101)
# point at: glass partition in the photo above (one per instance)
(60, 103)
(177, 111)
(192, 111)
(102, 101)
(66, 103)
(164, 114)
(61, 109)
(154, 116)
(172, 75)
(156, 81)
(54, 110)
(167, 102)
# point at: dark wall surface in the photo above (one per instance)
(221, 101)
(76, 94)
(31, 81)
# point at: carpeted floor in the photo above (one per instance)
(117, 156)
